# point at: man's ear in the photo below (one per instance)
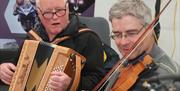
(38, 11)
(67, 4)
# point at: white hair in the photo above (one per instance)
(37, 2)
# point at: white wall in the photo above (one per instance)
(166, 41)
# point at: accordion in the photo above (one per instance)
(38, 59)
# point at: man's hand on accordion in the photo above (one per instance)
(59, 81)
(6, 72)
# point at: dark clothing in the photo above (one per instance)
(87, 44)
(162, 66)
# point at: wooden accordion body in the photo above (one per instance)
(38, 59)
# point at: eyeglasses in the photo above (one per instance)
(49, 14)
(127, 34)
(57, 11)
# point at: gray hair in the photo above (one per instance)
(136, 8)
(38, 1)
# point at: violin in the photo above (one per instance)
(127, 76)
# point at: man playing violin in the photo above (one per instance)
(129, 19)
(57, 22)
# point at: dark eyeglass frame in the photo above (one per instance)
(117, 36)
(60, 12)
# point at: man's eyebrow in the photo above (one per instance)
(59, 8)
(114, 31)
(129, 30)
(48, 9)
(132, 30)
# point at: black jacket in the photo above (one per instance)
(87, 44)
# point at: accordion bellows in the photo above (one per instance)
(38, 59)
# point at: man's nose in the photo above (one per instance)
(55, 16)
(124, 40)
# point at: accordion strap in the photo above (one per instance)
(33, 35)
(58, 40)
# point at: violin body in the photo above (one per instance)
(129, 74)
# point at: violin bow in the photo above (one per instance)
(147, 31)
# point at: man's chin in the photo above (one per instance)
(125, 53)
(130, 56)
(55, 31)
